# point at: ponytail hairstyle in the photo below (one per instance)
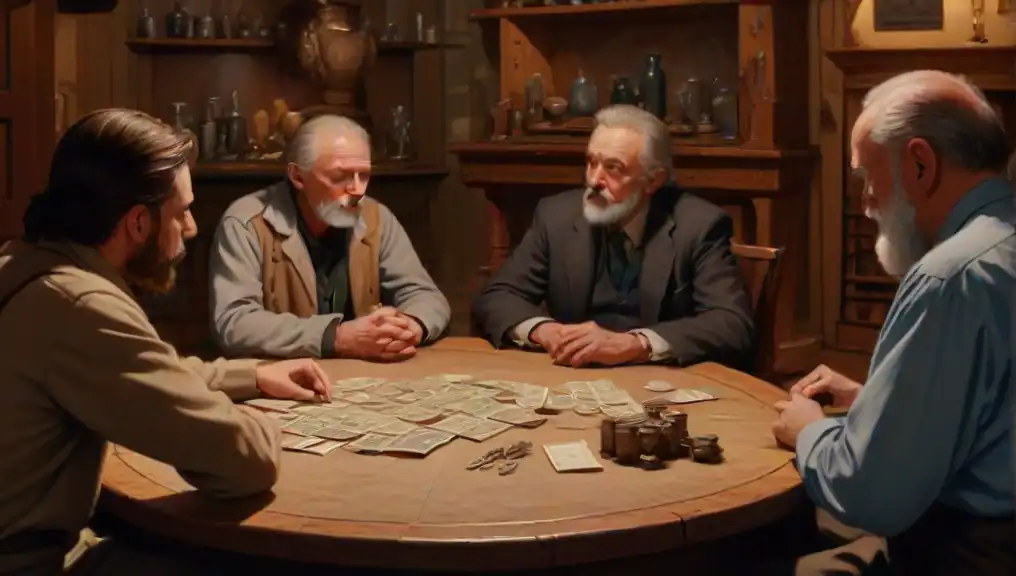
(105, 164)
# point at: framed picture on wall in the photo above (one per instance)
(896, 15)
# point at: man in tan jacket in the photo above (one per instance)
(313, 267)
(83, 366)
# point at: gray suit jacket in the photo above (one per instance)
(692, 292)
(242, 325)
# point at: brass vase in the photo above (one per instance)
(333, 48)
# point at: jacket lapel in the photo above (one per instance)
(281, 214)
(363, 261)
(657, 262)
(579, 257)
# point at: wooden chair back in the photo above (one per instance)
(760, 268)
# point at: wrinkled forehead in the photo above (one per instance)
(623, 144)
(860, 141)
(344, 151)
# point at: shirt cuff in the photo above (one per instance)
(520, 334)
(810, 436)
(423, 328)
(658, 347)
(328, 339)
(240, 379)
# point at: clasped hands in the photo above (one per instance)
(385, 334)
(578, 345)
(802, 408)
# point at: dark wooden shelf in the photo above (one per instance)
(879, 280)
(989, 66)
(411, 46)
(568, 9)
(184, 45)
(707, 146)
(269, 170)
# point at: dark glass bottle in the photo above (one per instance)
(654, 87)
(623, 92)
(177, 22)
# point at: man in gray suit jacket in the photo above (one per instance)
(313, 267)
(630, 269)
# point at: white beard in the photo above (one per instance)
(899, 245)
(611, 213)
(339, 213)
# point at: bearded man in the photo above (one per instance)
(631, 270)
(924, 456)
(83, 366)
(311, 266)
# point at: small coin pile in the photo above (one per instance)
(506, 458)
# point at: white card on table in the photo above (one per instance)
(572, 457)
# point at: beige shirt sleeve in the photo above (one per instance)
(109, 369)
(236, 378)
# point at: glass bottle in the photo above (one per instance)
(206, 27)
(180, 127)
(725, 113)
(654, 87)
(176, 21)
(623, 91)
(146, 24)
(582, 97)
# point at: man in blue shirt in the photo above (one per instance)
(924, 455)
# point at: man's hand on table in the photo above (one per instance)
(583, 344)
(795, 414)
(300, 379)
(841, 391)
(384, 334)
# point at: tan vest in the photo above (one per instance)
(285, 292)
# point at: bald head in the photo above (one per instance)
(945, 110)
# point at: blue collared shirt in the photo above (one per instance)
(934, 420)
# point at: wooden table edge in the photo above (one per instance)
(437, 547)
(519, 546)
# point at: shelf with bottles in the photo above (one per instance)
(516, 8)
(191, 45)
(267, 170)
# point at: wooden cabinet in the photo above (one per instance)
(865, 292)
(762, 177)
(27, 116)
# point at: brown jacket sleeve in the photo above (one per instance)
(109, 370)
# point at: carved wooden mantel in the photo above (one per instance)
(863, 291)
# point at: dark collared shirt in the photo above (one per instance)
(329, 254)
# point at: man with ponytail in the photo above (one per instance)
(83, 365)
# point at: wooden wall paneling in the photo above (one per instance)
(832, 143)
(814, 244)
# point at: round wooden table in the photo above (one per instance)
(432, 513)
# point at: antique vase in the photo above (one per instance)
(334, 49)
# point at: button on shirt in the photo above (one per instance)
(934, 420)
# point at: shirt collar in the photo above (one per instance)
(635, 229)
(985, 193)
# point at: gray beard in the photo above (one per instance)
(338, 214)
(899, 244)
(611, 213)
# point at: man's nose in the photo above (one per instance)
(190, 228)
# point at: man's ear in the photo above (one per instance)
(657, 180)
(294, 175)
(138, 223)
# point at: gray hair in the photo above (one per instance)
(656, 152)
(306, 146)
(930, 104)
